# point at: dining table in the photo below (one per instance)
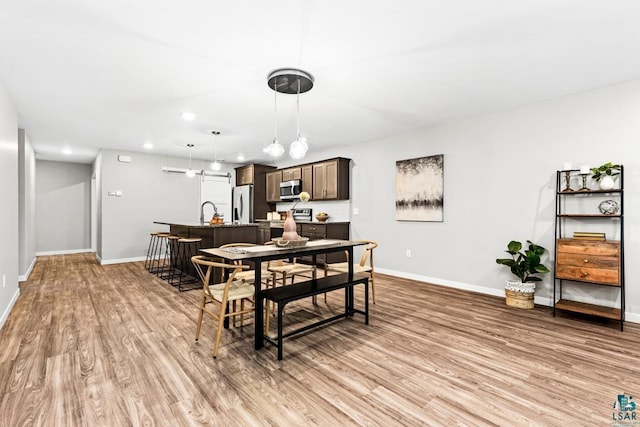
(259, 254)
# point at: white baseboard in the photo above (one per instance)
(547, 301)
(632, 317)
(5, 315)
(120, 260)
(64, 252)
(26, 275)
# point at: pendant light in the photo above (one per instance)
(275, 149)
(291, 81)
(216, 165)
(299, 147)
(190, 172)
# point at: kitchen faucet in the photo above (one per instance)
(215, 210)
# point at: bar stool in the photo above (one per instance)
(170, 257)
(158, 253)
(153, 240)
(187, 248)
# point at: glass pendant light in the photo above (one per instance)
(216, 165)
(299, 147)
(190, 172)
(275, 149)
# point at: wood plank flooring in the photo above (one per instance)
(91, 345)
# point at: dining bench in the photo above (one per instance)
(283, 295)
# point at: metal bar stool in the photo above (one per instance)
(170, 261)
(158, 254)
(153, 239)
(187, 248)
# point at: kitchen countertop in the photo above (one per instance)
(252, 224)
(303, 222)
(205, 225)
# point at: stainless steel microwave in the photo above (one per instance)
(290, 190)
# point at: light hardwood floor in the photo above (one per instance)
(90, 345)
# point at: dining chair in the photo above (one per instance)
(248, 276)
(364, 266)
(221, 294)
(288, 269)
(281, 271)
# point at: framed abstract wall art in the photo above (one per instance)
(420, 188)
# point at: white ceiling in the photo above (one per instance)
(116, 74)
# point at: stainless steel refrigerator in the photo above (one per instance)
(242, 204)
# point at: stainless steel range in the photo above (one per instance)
(302, 214)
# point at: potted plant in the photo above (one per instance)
(604, 174)
(524, 265)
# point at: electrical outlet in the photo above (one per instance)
(4, 280)
(408, 253)
(356, 211)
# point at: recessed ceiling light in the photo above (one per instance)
(188, 116)
(240, 157)
(148, 145)
(67, 151)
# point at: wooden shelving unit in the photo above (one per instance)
(580, 262)
(590, 309)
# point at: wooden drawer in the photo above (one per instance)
(313, 231)
(595, 275)
(611, 248)
(314, 228)
(588, 261)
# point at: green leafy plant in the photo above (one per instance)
(605, 169)
(524, 264)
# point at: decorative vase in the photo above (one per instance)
(607, 183)
(290, 232)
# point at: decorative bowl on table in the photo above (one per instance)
(282, 243)
(322, 216)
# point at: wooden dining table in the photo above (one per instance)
(264, 253)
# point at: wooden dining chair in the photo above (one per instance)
(248, 276)
(364, 266)
(221, 294)
(283, 269)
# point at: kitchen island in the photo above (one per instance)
(215, 235)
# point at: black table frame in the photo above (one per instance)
(271, 254)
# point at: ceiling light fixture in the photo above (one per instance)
(148, 145)
(291, 81)
(299, 147)
(188, 116)
(216, 165)
(275, 149)
(190, 172)
(67, 151)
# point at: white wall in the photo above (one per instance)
(148, 195)
(499, 185)
(97, 172)
(63, 207)
(9, 290)
(27, 205)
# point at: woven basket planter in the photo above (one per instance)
(520, 295)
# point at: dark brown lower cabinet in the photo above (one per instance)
(317, 231)
(264, 233)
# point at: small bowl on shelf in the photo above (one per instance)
(322, 217)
